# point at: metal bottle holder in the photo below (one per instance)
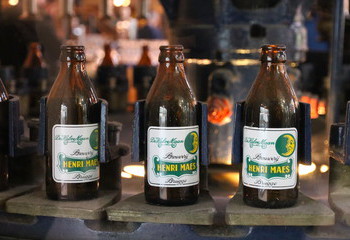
(110, 153)
(304, 134)
(339, 176)
(22, 159)
(17, 147)
(135, 208)
(307, 212)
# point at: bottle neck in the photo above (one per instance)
(107, 60)
(34, 59)
(279, 67)
(171, 67)
(144, 60)
(73, 66)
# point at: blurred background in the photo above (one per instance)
(221, 39)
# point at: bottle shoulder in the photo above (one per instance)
(278, 93)
(80, 89)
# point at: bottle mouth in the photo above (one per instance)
(171, 54)
(273, 53)
(171, 48)
(34, 45)
(72, 48)
(71, 53)
(273, 47)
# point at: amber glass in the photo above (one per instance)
(4, 136)
(108, 60)
(170, 103)
(34, 81)
(34, 57)
(72, 100)
(145, 60)
(271, 92)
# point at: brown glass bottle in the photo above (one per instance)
(34, 80)
(172, 155)
(34, 57)
(269, 174)
(145, 60)
(108, 60)
(111, 81)
(4, 136)
(72, 131)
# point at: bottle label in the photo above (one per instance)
(269, 158)
(75, 153)
(173, 156)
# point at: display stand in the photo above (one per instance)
(15, 191)
(110, 153)
(18, 147)
(307, 212)
(135, 208)
(37, 204)
(339, 188)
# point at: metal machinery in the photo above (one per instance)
(222, 39)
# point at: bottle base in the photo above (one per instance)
(169, 203)
(161, 202)
(71, 198)
(270, 204)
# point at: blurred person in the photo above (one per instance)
(147, 31)
(126, 25)
(18, 32)
(50, 33)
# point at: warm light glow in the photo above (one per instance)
(219, 110)
(199, 61)
(236, 62)
(136, 170)
(324, 168)
(313, 105)
(321, 107)
(313, 101)
(126, 175)
(306, 169)
(126, 3)
(293, 64)
(231, 178)
(245, 62)
(305, 99)
(13, 2)
(246, 51)
(121, 3)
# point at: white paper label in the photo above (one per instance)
(75, 153)
(173, 156)
(269, 158)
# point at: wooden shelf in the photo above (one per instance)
(135, 209)
(307, 212)
(37, 204)
(340, 203)
(14, 192)
(338, 231)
